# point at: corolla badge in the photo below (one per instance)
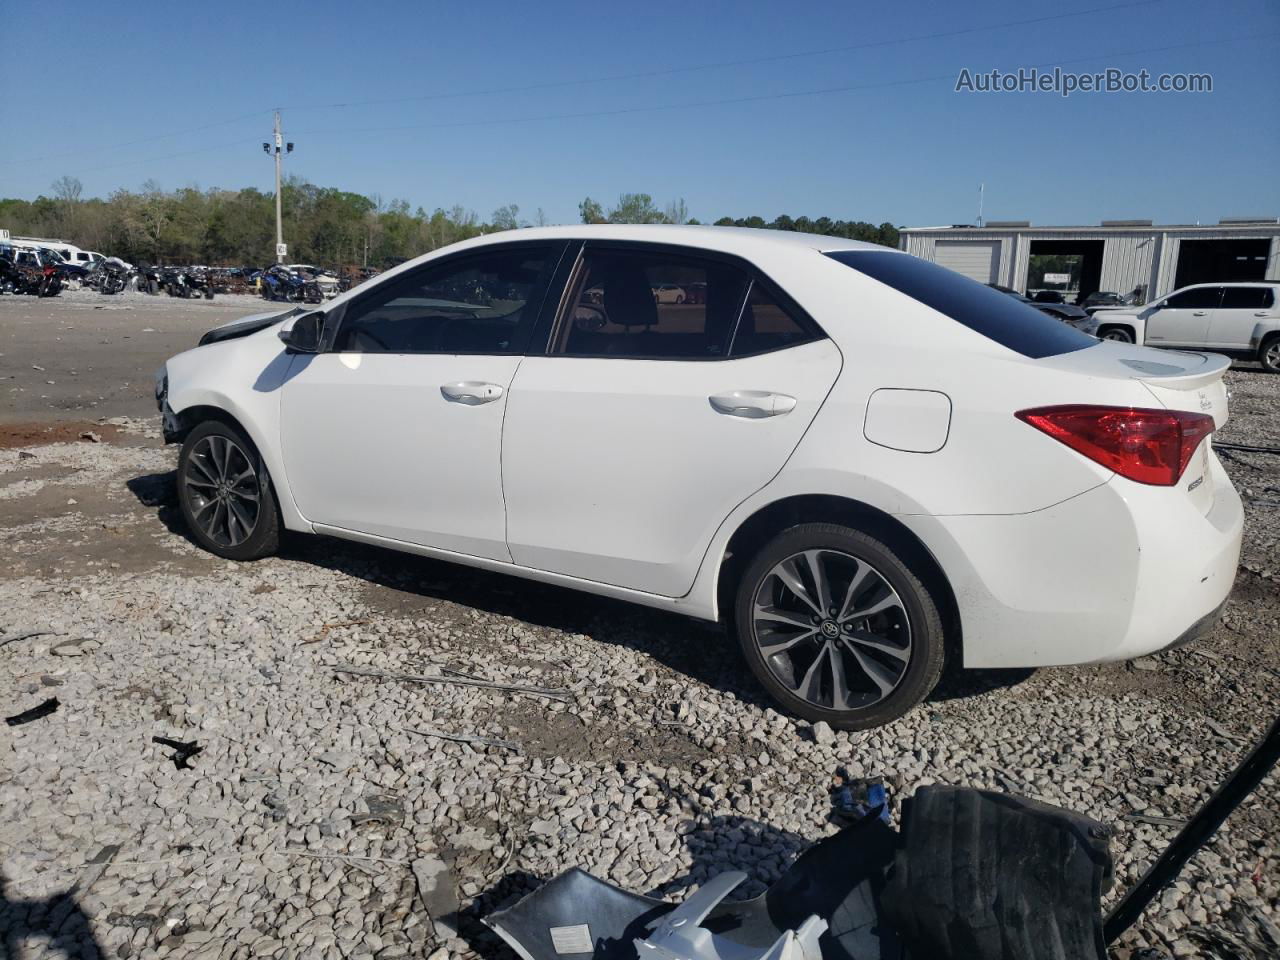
(1195, 483)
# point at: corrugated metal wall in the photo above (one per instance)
(1140, 257)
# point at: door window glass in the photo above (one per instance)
(483, 303)
(1198, 298)
(1247, 298)
(651, 306)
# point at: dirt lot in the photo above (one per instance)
(295, 832)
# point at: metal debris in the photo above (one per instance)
(35, 713)
(184, 751)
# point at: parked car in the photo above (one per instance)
(860, 461)
(1048, 296)
(326, 281)
(1100, 300)
(669, 293)
(1239, 319)
(1066, 312)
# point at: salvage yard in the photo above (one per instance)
(390, 748)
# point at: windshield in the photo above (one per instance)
(993, 314)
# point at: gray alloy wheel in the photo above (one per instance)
(832, 629)
(223, 490)
(1118, 334)
(1270, 355)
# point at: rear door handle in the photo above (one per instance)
(471, 392)
(1198, 313)
(752, 404)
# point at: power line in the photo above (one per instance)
(621, 111)
(134, 143)
(749, 61)
(639, 75)
(758, 98)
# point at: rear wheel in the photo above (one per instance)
(225, 493)
(837, 627)
(1118, 334)
(1269, 353)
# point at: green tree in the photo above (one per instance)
(591, 212)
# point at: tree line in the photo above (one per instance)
(322, 225)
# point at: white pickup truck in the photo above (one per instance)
(1239, 319)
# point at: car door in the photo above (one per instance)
(646, 422)
(1241, 310)
(395, 430)
(1183, 318)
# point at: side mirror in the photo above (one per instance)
(303, 333)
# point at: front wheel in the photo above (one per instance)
(837, 627)
(225, 493)
(1269, 354)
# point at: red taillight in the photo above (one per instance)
(1149, 446)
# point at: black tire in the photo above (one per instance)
(1118, 334)
(198, 474)
(1269, 353)
(913, 617)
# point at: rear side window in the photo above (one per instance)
(995, 315)
(767, 325)
(1247, 298)
(651, 306)
(1199, 298)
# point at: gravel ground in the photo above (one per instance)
(297, 828)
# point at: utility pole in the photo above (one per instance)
(279, 148)
(982, 189)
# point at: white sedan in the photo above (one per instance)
(861, 462)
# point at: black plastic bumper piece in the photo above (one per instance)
(986, 876)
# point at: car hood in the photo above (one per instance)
(1062, 309)
(247, 325)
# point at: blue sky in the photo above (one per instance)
(196, 87)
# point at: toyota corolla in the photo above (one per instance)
(860, 462)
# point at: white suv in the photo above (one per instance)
(862, 462)
(1238, 319)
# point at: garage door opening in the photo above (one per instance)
(1221, 261)
(1079, 261)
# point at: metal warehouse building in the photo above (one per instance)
(1124, 256)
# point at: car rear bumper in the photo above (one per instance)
(1117, 572)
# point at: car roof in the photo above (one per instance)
(1232, 283)
(727, 239)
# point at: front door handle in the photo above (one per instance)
(1198, 313)
(752, 404)
(471, 392)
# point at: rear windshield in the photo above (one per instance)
(997, 316)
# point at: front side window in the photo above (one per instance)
(482, 303)
(1198, 298)
(651, 306)
(1247, 298)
